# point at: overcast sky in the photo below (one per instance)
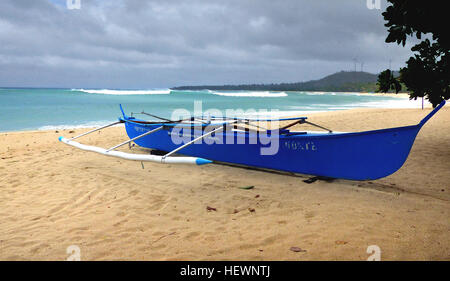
(162, 43)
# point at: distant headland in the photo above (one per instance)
(343, 81)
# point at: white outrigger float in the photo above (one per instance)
(132, 156)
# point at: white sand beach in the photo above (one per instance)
(53, 196)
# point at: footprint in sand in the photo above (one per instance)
(120, 223)
(192, 235)
(310, 215)
(133, 192)
(121, 214)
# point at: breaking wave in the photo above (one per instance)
(91, 124)
(124, 92)
(264, 94)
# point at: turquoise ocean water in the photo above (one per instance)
(40, 109)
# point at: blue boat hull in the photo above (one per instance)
(355, 156)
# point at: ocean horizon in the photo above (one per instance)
(66, 108)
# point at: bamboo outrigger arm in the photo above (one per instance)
(191, 142)
(97, 129)
(136, 138)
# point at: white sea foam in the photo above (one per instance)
(91, 124)
(265, 94)
(313, 93)
(124, 92)
(397, 103)
(280, 114)
(333, 93)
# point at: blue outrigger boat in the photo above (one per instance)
(365, 155)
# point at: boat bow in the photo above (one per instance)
(424, 120)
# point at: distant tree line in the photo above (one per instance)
(339, 82)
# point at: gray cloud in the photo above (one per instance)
(145, 44)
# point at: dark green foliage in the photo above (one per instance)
(427, 73)
(386, 82)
